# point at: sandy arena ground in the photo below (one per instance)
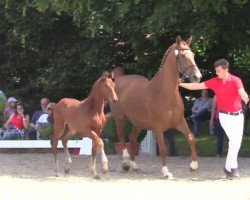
(31, 176)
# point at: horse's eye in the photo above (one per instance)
(113, 79)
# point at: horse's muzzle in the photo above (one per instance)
(195, 78)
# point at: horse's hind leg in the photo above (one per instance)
(133, 145)
(183, 127)
(163, 153)
(120, 122)
(58, 130)
(65, 138)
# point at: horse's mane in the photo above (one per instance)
(165, 56)
(166, 53)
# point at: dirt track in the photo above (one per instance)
(31, 176)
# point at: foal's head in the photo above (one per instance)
(108, 87)
(185, 60)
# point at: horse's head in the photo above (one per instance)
(185, 60)
(108, 87)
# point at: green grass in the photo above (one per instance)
(206, 145)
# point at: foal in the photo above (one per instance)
(84, 117)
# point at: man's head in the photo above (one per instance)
(221, 68)
(44, 103)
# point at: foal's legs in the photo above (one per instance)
(163, 153)
(58, 131)
(65, 139)
(97, 144)
(183, 127)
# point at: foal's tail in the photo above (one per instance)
(49, 110)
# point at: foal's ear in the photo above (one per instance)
(189, 40)
(178, 40)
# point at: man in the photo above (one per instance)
(32, 132)
(229, 91)
(201, 111)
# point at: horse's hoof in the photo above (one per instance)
(193, 170)
(97, 177)
(168, 176)
(66, 171)
(194, 166)
(125, 167)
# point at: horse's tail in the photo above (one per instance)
(49, 110)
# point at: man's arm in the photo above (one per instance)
(244, 95)
(194, 86)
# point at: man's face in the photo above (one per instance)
(221, 72)
(44, 104)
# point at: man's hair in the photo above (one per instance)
(221, 62)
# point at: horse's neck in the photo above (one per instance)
(96, 98)
(167, 79)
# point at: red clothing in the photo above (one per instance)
(17, 122)
(228, 97)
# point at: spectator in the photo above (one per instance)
(216, 128)
(10, 108)
(16, 124)
(169, 135)
(201, 111)
(32, 131)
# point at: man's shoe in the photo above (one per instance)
(231, 175)
(235, 173)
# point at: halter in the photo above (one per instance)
(176, 52)
(182, 69)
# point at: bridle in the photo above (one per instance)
(183, 70)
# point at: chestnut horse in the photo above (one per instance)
(156, 104)
(85, 117)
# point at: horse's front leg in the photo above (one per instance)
(163, 153)
(183, 127)
(93, 160)
(98, 145)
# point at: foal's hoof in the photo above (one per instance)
(97, 177)
(168, 176)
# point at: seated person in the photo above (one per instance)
(201, 111)
(32, 131)
(10, 108)
(16, 124)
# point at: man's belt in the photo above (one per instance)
(232, 113)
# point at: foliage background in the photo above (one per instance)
(58, 48)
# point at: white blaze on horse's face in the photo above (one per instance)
(109, 90)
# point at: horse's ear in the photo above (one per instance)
(105, 74)
(178, 40)
(111, 75)
(189, 40)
